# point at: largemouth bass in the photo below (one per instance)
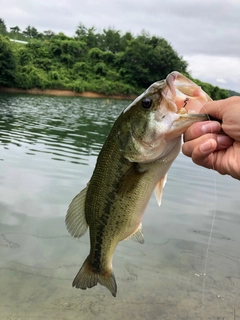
(134, 160)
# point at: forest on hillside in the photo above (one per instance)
(108, 62)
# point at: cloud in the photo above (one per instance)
(221, 80)
(195, 29)
(215, 70)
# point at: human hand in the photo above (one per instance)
(216, 145)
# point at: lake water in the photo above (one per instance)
(48, 149)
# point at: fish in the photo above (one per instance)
(133, 162)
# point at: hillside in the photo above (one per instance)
(109, 62)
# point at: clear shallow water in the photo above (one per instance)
(48, 149)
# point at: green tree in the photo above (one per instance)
(81, 31)
(15, 29)
(146, 60)
(3, 27)
(218, 93)
(111, 40)
(24, 56)
(214, 92)
(31, 77)
(105, 62)
(125, 39)
(7, 63)
(48, 33)
(30, 32)
(14, 32)
(87, 35)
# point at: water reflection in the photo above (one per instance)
(179, 273)
(62, 127)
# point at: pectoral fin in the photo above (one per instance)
(75, 218)
(137, 235)
(159, 189)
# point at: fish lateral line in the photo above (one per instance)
(135, 158)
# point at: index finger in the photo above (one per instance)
(217, 108)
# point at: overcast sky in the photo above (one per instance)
(205, 32)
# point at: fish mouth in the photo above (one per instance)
(188, 98)
(185, 93)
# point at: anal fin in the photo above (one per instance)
(137, 235)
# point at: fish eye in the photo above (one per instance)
(146, 103)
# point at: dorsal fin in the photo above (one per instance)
(159, 189)
(75, 218)
(137, 235)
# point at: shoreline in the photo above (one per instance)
(66, 93)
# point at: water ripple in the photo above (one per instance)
(67, 129)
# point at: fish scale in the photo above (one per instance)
(134, 160)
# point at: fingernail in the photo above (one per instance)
(210, 127)
(224, 141)
(206, 147)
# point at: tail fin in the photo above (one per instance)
(88, 278)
